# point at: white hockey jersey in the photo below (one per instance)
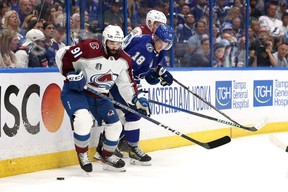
(100, 70)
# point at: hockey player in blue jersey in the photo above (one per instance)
(146, 52)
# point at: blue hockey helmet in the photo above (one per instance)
(166, 34)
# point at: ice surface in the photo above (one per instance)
(247, 164)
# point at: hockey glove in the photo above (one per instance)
(76, 80)
(152, 78)
(165, 76)
(141, 102)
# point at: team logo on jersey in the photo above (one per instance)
(94, 45)
(110, 113)
(98, 66)
(105, 80)
(149, 47)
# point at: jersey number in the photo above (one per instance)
(139, 59)
(76, 52)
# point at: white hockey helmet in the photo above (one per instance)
(155, 15)
(112, 33)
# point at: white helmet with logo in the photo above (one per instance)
(112, 33)
(155, 15)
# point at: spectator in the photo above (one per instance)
(185, 9)
(9, 42)
(240, 55)
(139, 16)
(199, 9)
(237, 27)
(59, 36)
(255, 26)
(12, 21)
(92, 10)
(75, 28)
(261, 53)
(13, 5)
(221, 10)
(195, 40)
(254, 11)
(3, 9)
(269, 20)
(178, 5)
(201, 57)
(215, 23)
(32, 53)
(50, 46)
(188, 29)
(42, 7)
(25, 8)
(31, 18)
(232, 13)
(227, 58)
(284, 27)
(59, 10)
(219, 50)
(281, 9)
(113, 16)
(50, 14)
(279, 56)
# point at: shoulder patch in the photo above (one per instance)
(149, 47)
(94, 45)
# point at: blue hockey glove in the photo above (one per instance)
(165, 76)
(152, 78)
(141, 102)
(76, 80)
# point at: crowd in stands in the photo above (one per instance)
(33, 30)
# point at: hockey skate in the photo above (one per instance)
(123, 148)
(138, 157)
(84, 162)
(112, 163)
(117, 152)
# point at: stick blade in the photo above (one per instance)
(218, 142)
(257, 126)
(261, 124)
(278, 143)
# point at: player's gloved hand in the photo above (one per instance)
(141, 102)
(76, 80)
(152, 78)
(165, 76)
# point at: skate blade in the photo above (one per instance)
(113, 169)
(97, 156)
(142, 163)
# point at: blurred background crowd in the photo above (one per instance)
(33, 30)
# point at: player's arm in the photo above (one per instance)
(134, 33)
(65, 58)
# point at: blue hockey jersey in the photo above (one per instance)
(144, 57)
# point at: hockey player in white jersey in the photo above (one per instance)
(146, 52)
(101, 65)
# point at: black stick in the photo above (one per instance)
(209, 145)
(236, 124)
(253, 128)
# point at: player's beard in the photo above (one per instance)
(111, 52)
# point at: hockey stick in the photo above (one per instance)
(254, 128)
(278, 143)
(209, 145)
